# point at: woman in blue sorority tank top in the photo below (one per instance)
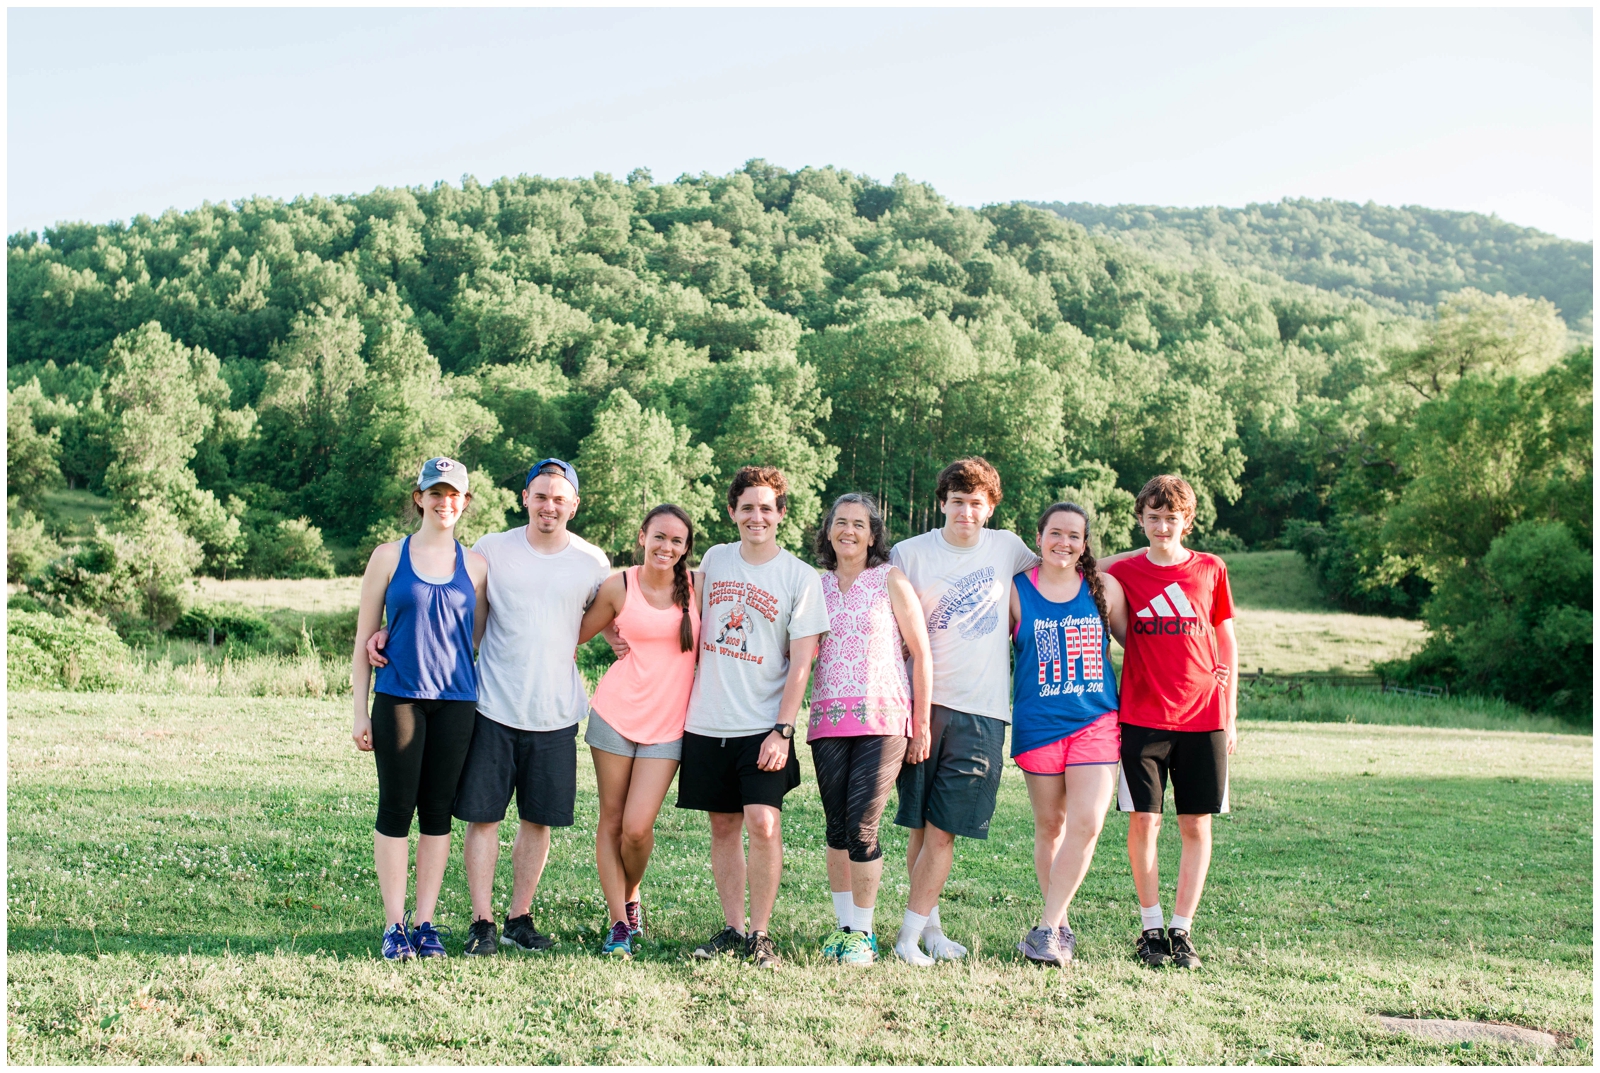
(1064, 713)
(430, 591)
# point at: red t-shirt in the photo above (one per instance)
(1173, 613)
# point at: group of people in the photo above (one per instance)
(918, 657)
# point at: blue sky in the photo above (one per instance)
(112, 112)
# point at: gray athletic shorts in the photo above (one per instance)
(603, 736)
(955, 788)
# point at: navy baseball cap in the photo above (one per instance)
(442, 471)
(565, 467)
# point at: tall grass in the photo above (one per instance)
(1328, 704)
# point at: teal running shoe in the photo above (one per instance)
(858, 948)
(834, 942)
(619, 942)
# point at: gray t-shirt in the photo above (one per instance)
(966, 596)
(527, 677)
(747, 615)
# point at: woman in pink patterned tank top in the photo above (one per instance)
(868, 715)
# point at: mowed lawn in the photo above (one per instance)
(189, 880)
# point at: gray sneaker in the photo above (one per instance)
(1043, 947)
(1067, 941)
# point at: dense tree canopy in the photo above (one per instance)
(265, 373)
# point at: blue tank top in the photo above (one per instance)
(1063, 679)
(430, 634)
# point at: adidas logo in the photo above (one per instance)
(1169, 612)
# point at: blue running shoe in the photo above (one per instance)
(428, 941)
(397, 944)
(619, 942)
(858, 948)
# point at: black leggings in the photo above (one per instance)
(854, 777)
(420, 746)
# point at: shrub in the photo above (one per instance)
(29, 548)
(72, 652)
(136, 575)
(221, 625)
(288, 548)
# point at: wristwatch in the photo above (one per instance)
(784, 731)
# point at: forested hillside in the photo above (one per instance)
(1409, 256)
(247, 381)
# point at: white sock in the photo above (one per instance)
(1181, 923)
(933, 921)
(914, 923)
(939, 944)
(1150, 916)
(862, 915)
(906, 947)
(843, 908)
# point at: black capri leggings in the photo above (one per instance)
(420, 746)
(854, 776)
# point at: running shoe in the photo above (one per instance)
(428, 941)
(729, 940)
(1153, 949)
(481, 939)
(1184, 955)
(833, 942)
(397, 944)
(858, 948)
(760, 949)
(635, 912)
(520, 933)
(1067, 941)
(619, 942)
(1042, 946)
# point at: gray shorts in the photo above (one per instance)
(955, 788)
(603, 736)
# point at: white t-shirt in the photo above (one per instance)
(747, 615)
(527, 677)
(966, 594)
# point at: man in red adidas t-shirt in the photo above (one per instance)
(1179, 708)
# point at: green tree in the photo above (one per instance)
(33, 459)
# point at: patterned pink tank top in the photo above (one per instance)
(861, 685)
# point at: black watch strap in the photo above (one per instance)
(784, 731)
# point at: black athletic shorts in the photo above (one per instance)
(1197, 761)
(540, 765)
(720, 774)
(956, 787)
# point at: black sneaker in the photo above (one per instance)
(760, 949)
(1184, 955)
(521, 934)
(480, 939)
(1153, 948)
(727, 941)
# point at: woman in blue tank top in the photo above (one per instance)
(1064, 713)
(429, 590)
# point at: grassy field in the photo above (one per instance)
(189, 880)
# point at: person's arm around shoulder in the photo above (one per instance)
(606, 607)
(1116, 607)
(1023, 558)
(374, 585)
(775, 749)
(914, 632)
(478, 571)
(1116, 557)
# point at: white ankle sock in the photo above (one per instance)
(933, 920)
(914, 923)
(1181, 923)
(1150, 916)
(844, 908)
(862, 915)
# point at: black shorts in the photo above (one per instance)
(720, 774)
(955, 788)
(1196, 759)
(540, 765)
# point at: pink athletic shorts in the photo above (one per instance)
(1098, 743)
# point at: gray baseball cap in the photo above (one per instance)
(442, 471)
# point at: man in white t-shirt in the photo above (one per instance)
(962, 574)
(530, 700)
(761, 618)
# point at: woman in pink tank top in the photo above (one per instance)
(636, 716)
(868, 715)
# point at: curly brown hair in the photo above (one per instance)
(968, 475)
(1167, 492)
(759, 477)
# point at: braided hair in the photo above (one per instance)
(680, 570)
(1086, 563)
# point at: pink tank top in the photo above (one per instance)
(861, 685)
(645, 694)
